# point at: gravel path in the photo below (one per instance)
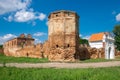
(63, 65)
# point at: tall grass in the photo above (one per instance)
(112, 73)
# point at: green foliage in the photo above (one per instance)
(9, 59)
(83, 41)
(1, 46)
(112, 73)
(116, 31)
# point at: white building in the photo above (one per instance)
(104, 40)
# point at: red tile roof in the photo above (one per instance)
(96, 37)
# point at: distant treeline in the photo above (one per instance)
(1, 46)
(83, 41)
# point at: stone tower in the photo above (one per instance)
(63, 29)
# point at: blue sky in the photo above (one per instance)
(30, 16)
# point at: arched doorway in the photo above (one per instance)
(109, 51)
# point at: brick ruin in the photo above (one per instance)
(12, 47)
(63, 35)
(62, 44)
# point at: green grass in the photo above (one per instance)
(9, 59)
(112, 73)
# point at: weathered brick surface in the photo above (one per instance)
(117, 53)
(63, 37)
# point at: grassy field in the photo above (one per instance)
(9, 59)
(112, 73)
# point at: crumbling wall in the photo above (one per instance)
(26, 51)
(117, 53)
(60, 54)
(57, 54)
(96, 53)
(33, 51)
(11, 51)
(45, 49)
(83, 53)
(86, 52)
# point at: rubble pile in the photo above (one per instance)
(96, 53)
(60, 54)
(117, 53)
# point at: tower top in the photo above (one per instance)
(63, 11)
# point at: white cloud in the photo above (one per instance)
(6, 38)
(42, 16)
(10, 18)
(38, 34)
(118, 17)
(7, 6)
(86, 37)
(37, 41)
(24, 16)
(20, 11)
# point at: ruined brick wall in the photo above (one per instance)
(33, 51)
(45, 49)
(96, 53)
(26, 51)
(63, 29)
(117, 53)
(86, 52)
(20, 41)
(11, 46)
(63, 34)
(60, 54)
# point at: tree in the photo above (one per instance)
(83, 41)
(116, 32)
(1, 46)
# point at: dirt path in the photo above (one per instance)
(63, 65)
